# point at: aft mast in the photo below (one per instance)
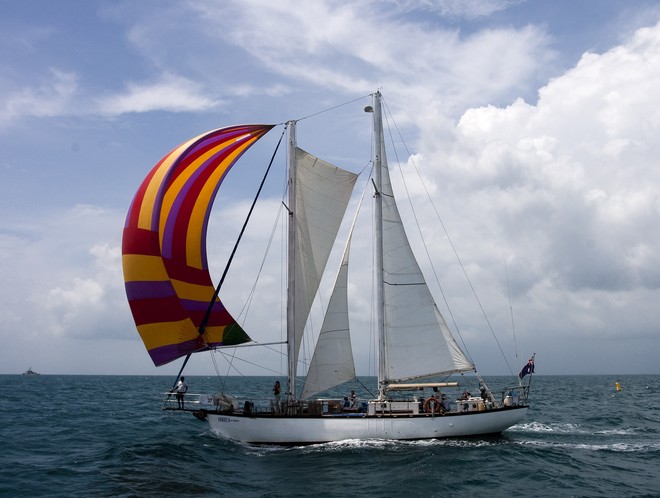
(378, 249)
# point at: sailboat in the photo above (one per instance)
(178, 310)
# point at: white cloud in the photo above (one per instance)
(356, 49)
(65, 274)
(172, 93)
(64, 304)
(468, 9)
(52, 97)
(568, 190)
(61, 96)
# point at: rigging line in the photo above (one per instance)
(230, 366)
(451, 243)
(364, 168)
(242, 314)
(246, 307)
(248, 302)
(217, 372)
(365, 387)
(207, 315)
(267, 346)
(251, 363)
(333, 107)
(231, 357)
(254, 344)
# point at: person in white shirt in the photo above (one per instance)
(181, 389)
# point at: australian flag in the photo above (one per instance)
(527, 369)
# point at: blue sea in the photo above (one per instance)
(107, 436)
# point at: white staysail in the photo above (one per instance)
(418, 342)
(332, 363)
(322, 195)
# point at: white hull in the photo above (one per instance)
(306, 430)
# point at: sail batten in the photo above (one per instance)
(164, 255)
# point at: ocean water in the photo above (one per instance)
(107, 436)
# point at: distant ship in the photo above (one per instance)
(29, 371)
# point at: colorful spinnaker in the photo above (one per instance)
(168, 284)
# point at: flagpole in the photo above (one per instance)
(529, 385)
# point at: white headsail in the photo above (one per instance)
(332, 363)
(322, 195)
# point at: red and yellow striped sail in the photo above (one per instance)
(168, 284)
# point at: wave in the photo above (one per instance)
(566, 428)
(362, 444)
(617, 447)
(388, 445)
(569, 428)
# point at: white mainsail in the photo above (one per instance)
(323, 192)
(418, 342)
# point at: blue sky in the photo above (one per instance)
(534, 123)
